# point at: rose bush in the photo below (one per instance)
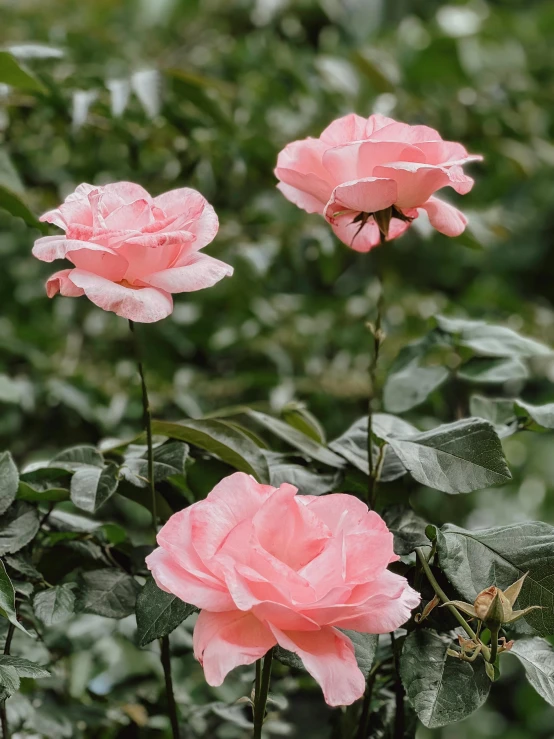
(269, 567)
(131, 251)
(370, 178)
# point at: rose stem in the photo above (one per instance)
(3, 714)
(453, 610)
(377, 341)
(363, 726)
(260, 699)
(164, 641)
(399, 716)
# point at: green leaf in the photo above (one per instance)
(297, 415)
(13, 203)
(297, 439)
(9, 681)
(493, 371)
(169, 460)
(44, 484)
(499, 411)
(18, 527)
(407, 528)
(457, 457)
(77, 457)
(537, 657)
(365, 649)
(307, 481)
(158, 613)
(475, 560)
(290, 659)
(14, 74)
(107, 592)
(9, 480)
(411, 386)
(7, 598)
(541, 415)
(491, 341)
(220, 439)
(92, 486)
(23, 667)
(55, 605)
(441, 689)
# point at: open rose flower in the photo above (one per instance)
(130, 251)
(269, 567)
(371, 177)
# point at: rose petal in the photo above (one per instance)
(199, 272)
(60, 282)
(445, 217)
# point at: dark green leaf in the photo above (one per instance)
(220, 439)
(306, 480)
(297, 439)
(456, 458)
(9, 479)
(44, 484)
(411, 386)
(407, 527)
(7, 598)
(290, 659)
(537, 657)
(365, 649)
(78, 457)
(108, 592)
(13, 203)
(475, 560)
(295, 414)
(491, 341)
(169, 460)
(92, 486)
(158, 613)
(55, 605)
(493, 371)
(14, 74)
(442, 689)
(17, 527)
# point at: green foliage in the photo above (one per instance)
(158, 613)
(537, 657)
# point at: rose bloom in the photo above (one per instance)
(130, 251)
(269, 567)
(371, 177)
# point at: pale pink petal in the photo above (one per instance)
(223, 641)
(341, 512)
(172, 578)
(143, 260)
(143, 305)
(351, 127)
(360, 239)
(445, 217)
(358, 159)
(300, 540)
(395, 131)
(60, 282)
(126, 192)
(303, 157)
(442, 152)
(199, 272)
(135, 215)
(194, 212)
(302, 199)
(328, 655)
(415, 182)
(103, 263)
(160, 238)
(315, 187)
(49, 248)
(367, 195)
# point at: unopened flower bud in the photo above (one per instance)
(492, 606)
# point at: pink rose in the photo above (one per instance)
(269, 567)
(131, 251)
(370, 178)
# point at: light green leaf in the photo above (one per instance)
(493, 371)
(78, 457)
(307, 481)
(7, 598)
(9, 681)
(18, 527)
(441, 689)
(297, 415)
(475, 560)
(9, 479)
(220, 439)
(537, 657)
(304, 444)
(158, 613)
(44, 484)
(542, 415)
(107, 592)
(23, 667)
(13, 203)
(456, 458)
(411, 386)
(491, 341)
(55, 605)
(14, 74)
(91, 487)
(499, 411)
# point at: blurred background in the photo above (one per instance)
(205, 93)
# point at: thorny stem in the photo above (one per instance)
(148, 427)
(3, 714)
(378, 337)
(260, 698)
(164, 641)
(453, 610)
